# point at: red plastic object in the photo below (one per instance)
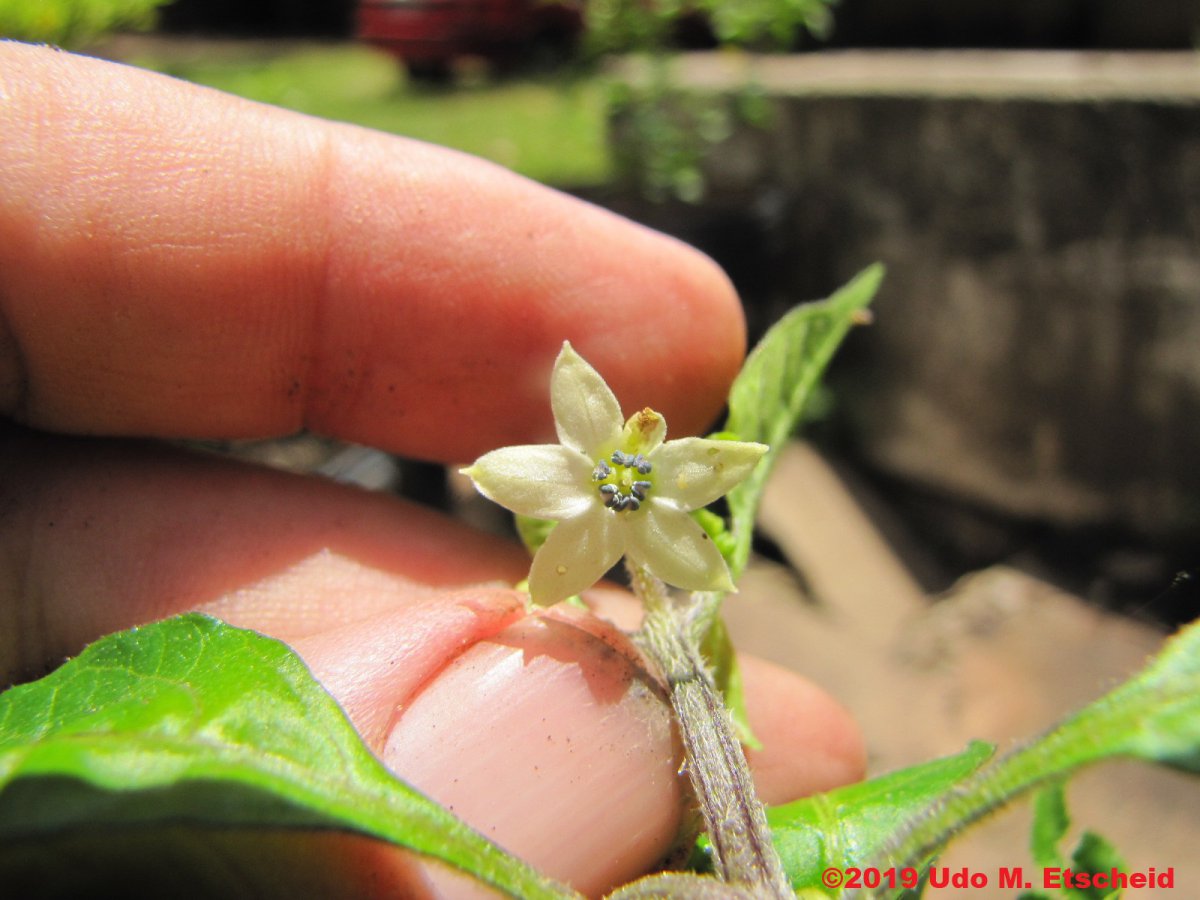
(431, 33)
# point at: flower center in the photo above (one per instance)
(621, 480)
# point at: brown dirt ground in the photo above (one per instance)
(1000, 657)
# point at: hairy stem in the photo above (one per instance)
(736, 822)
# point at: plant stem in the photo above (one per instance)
(1144, 717)
(743, 852)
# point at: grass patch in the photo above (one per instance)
(550, 128)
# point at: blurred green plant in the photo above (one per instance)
(630, 26)
(70, 23)
(665, 132)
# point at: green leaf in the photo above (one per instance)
(1050, 824)
(1093, 855)
(1154, 716)
(767, 401)
(70, 22)
(718, 650)
(848, 826)
(771, 394)
(192, 722)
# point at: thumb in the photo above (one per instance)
(543, 731)
(546, 732)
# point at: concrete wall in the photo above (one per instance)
(1037, 346)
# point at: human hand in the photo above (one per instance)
(179, 263)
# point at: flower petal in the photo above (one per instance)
(545, 481)
(696, 471)
(586, 413)
(575, 556)
(668, 542)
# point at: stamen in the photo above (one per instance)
(614, 498)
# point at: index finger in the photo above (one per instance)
(177, 262)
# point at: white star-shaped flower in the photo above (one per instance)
(615, 489)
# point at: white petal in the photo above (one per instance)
(586, 413)
(696, 471)
(545, 481)
(575, 556)
(669, 543)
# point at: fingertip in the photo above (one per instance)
(185, 263)
(810, 742)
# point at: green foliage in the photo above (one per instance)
(849, 826)
(904, 819)
(767, 401)
(1092, 855)
(771, 395)
(70, 23)
(1050, 824)
(1154, 716)
(628, 26)
(767, 23)
(664, 132)
(194, 722)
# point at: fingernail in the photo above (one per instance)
(550, 739)
(374, 666)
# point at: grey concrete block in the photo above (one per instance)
(1037, 346)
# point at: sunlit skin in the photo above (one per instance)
(176, 262)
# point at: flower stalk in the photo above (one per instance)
(616, 487)
(736, 821)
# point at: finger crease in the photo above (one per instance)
(325, 172)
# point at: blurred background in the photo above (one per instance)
(994, 510)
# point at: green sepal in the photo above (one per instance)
(533, 532)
